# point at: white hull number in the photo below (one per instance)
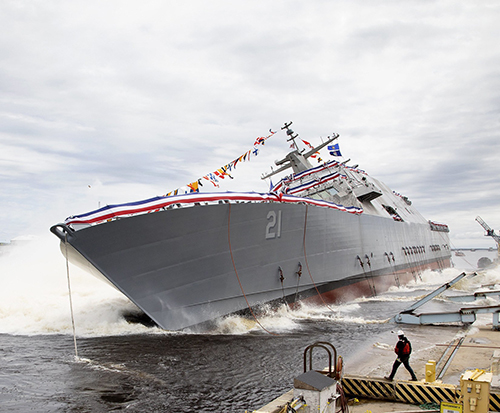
(273, 228)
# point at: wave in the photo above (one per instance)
(34, 299)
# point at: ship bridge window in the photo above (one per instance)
(392, 212)
(326, 194)
(332, 191)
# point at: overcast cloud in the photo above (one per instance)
(115, 101)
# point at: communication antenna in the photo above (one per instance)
(290, 133)
(297, 160)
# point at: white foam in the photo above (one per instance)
(34, 297)
(235, 325)
(383, 346)
(388, 296)
(286, 318)
(274, 320)
(35, 300)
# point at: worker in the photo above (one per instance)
(403, 351)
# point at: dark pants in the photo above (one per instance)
(406, 362)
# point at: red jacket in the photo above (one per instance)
(403, 347)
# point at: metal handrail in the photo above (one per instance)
(324, 345)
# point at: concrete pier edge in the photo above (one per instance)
(480, 349)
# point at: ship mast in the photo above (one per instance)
(296, 160)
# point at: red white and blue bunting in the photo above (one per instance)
(282, 192)
(285, 184)
(156, 204)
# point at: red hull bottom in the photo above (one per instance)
(373, 285)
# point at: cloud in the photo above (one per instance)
(144, 98)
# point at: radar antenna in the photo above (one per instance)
(489, 231)
(290, 133)
(295, 159)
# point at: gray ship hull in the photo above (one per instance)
(185, 266)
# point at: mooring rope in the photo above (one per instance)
(373, 292)
(465, 259)
(69, 291)
(393, 269)
(238, 277)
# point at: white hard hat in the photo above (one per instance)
(401, 333)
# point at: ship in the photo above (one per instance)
(322, 234)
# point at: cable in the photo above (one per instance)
(69, 291)
(373, 291)
(236, 272)
(466, 260)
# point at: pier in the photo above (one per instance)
(363, 377)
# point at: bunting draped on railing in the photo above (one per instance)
(223, 171)
(155, 204)
(312, 183)
(285, 184)
(355, 169)
(435, 226)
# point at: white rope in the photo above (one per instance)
(69, 291)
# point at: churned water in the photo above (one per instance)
(234, 367)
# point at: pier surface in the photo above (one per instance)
(374, 360)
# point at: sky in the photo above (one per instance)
(117, 101)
